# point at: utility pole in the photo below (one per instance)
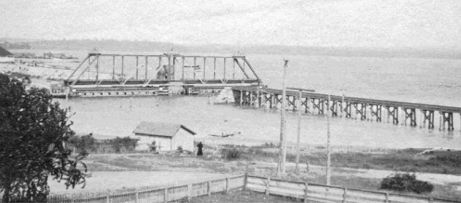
(328, 143)
(283, 141)
(299, 132)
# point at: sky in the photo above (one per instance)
(319, 23)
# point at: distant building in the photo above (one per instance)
(163, 136)
(6, 56)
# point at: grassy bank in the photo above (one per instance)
(411, 160)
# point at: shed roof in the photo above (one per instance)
(160, 129)
(4, 52)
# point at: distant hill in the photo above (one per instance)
(14, 45)
(4, 52)
(149, 46)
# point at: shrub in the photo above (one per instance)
(231, 154)
(83, 144)
(406, 183)
(180, 149)
(451, 159)
(124, 144)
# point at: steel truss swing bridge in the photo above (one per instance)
(137, 74)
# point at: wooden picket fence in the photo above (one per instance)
(327, 193)
(308, 192)
(164, 194)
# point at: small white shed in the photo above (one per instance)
(167, 136)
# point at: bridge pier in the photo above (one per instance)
(306, 105)
(246, 98)
(243, 99)
(271, 101)
(278, 100)
(348, 110)
(361, 111)
(441, 126)
(410, 113)
(342, 105)
(319, 105)
(376, 112)
(251, 98)
(447, 120)
(259, 96)
(356, 109)
(322, 104)
(291, 102)
(265, 99)
(238, 97)
(334, 108)
(429, 117)
(393, 112)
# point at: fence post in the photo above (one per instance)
(344, 195)
(268, 183)
(189, 192)
(165, 195)
(306, 185)
(386, 195)
(108, 198)
(245, 181)
(208, 185)
(227, 185)
(136, 200)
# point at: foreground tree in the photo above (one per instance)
(33, 135)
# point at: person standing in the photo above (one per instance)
(199, 150)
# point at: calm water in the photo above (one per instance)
(433, 81)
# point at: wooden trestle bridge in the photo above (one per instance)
(141, 75)
(404, 113)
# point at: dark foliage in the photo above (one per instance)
(231, 154)
(84, 144)
(406, 183)
(450, 159)
(33, 134)
(124, 143)
(88, 144)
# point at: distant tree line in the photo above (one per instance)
(88, 144)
